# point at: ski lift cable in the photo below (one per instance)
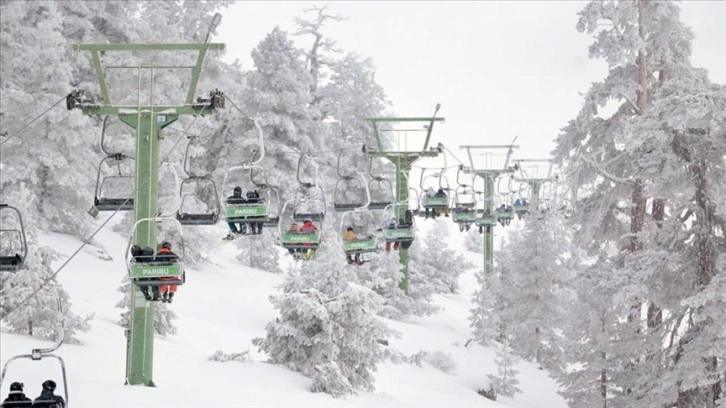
(87, 240)
(17, 132)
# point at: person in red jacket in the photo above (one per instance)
(165, 254)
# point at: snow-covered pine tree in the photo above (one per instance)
(328, 327)
(473, 241)
(436, 265)
(259, 251)
(505, 382)
(534, 260)
(659, 143)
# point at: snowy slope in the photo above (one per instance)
(222, 307)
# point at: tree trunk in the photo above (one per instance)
(30, 327)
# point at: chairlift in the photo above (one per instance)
(114, 200)
(346, 186)
(252, 206)
(271, 196)
(39, 354)
(365, 240)
(464, 212)
(309, 193)
(401, 231)
(11, 260)
(302, 245)
(148, 270)
(439, 201)
(380, 190)
(203, 191)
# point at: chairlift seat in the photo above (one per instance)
(380, 205)
(113, 204)
(350, 206)
(399, 234)
(461, 215)
(271, 221)
(486, 221)
(360, 246)
(299, 217)
(197, 219)
(521, 209)
(11, 263)
(505, 214)
(296, 240)
(435, 202)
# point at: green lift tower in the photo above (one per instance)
(403, 159)
(489, 173)
(147, 120)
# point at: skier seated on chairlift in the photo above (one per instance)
(236, 227)
(505, 220)
(487, 214)
(253, 197)
(392, 224)
(441, 194)
(166, 255)
(143, 255)
(308, 228)
(427, 211)
(293, 229)
(16, 398)
(350, 235)
(47, 399)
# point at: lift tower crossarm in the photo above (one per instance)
(431, 121)
(95, 49)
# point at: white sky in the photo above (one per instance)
(499, 69)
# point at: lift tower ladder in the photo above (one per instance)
(489, 173)
(403, 160)
(147, 120)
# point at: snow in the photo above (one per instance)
(223, 306)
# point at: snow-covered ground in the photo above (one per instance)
(222, 307)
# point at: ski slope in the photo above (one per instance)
(222, 307)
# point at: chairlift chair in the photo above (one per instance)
(380, 190)
(435, 203)
(104, 202)
(187, 217)
(365, 243)
(304, 244)
(402, 233)
(39, 354)
(244, 210)
(192, 216)
(11, 262)
(156, 272)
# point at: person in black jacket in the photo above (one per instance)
(47, 399)
(16, 398)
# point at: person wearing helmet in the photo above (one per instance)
(47, 399)
(166, 255)
(350, 235)
(308, 227)
(235, 227)
(16, 398)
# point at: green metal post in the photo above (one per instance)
(148, 121)
(489, 235)
(402, 171)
